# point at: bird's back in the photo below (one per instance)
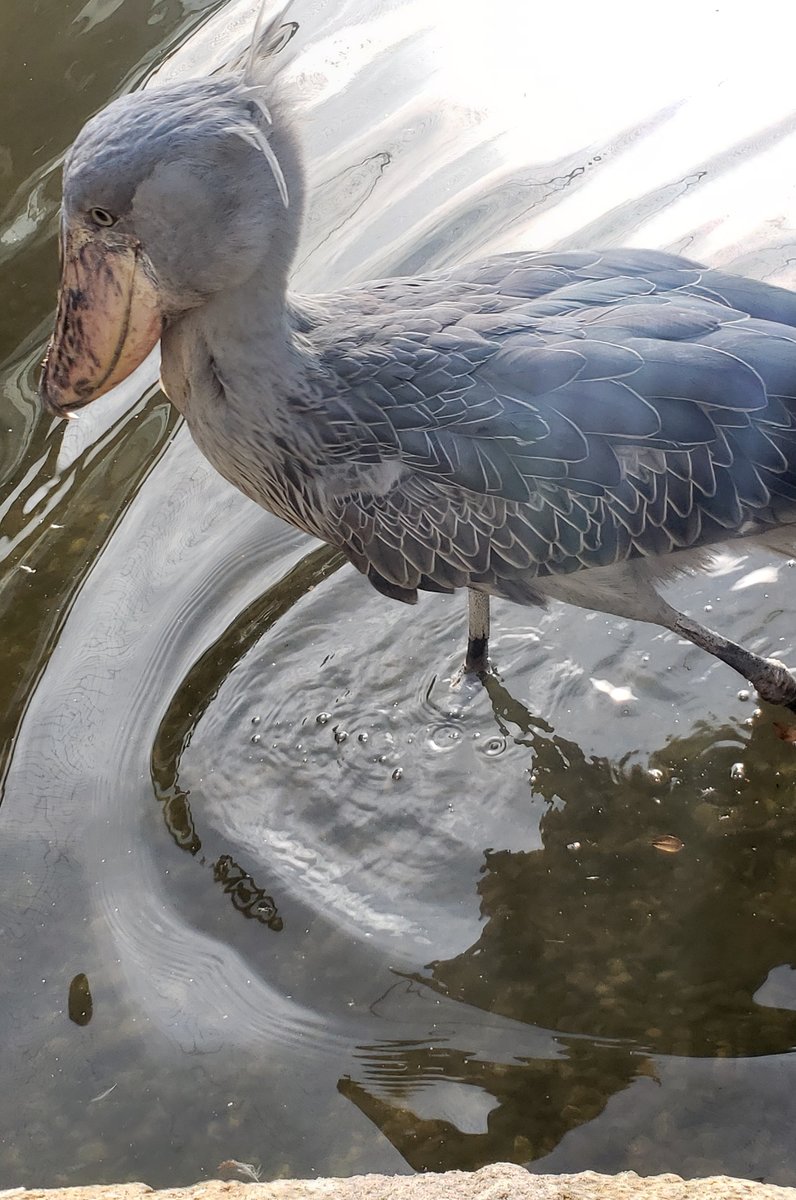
(536, 414)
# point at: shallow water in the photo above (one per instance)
(271, 891)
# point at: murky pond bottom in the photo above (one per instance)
(272, 890)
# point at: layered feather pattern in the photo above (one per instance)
(538, 414)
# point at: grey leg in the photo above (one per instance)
(477, 660)
(768, 676)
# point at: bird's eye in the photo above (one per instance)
(101, 216)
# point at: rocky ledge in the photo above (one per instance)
(499, 1182)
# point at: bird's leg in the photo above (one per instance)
(771, 679)
(477, 660)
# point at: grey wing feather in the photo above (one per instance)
(548, 413)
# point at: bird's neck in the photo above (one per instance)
(234, 369)
(241, 340)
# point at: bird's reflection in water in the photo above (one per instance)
(624, 948)
(534, 1102)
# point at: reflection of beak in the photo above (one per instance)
(108, 320)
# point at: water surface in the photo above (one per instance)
(271, 891)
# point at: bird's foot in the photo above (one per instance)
(777, 685)
(471, 675)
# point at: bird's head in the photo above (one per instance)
(170, 196)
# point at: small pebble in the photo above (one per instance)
(323, 718)
(398, 773)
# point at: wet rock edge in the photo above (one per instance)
(501, 1181)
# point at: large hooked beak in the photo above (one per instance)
(108, 320)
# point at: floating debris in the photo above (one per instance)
(668, 844)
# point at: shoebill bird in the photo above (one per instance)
(575, 425)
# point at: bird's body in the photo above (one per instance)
(570, 424)
(511, 423)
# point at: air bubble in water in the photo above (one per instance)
(444, 736)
